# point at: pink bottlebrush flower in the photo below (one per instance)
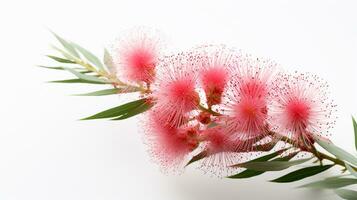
(137, 55)
(247, 103)
(175, 88)
(301, 108)
(215, 63)
(220, 150)
(217, 140)
(169, 145)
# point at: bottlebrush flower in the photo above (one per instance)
(302, 107)
(169, 145)
(247, 102)
(221, 152)
(217, 140)
(175, 88)
(137, 54)
(215, 63)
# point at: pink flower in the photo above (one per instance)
(248, 101)
(138, 54)
(217, 140)
(169, 145)
(220, 152)
(215, 63)
(175, 89)
(302, 107)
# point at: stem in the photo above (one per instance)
(114, 80)
(209, 110)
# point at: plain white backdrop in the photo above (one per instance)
(46, 153)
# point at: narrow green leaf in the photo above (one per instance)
(108, 61)
(351, 170)
(271, 165)
(331, 183)
(64, 68)
(75, 81)
(263, 158)
(66, 54)
(355, 130)
(197, 157)
(66, 45)
(61, 60)
(337, 151)
(248, 173)
(55, 68)
(346, 194)
(101, 92)
(86, 77)
(110, 91)
(117, 111)
(138, 110)
(301, 174)
(89, 56)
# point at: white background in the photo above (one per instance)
(46, 153)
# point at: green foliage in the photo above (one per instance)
(302, 173)
(109, 92)
(337, 151)
(61, 60)
(248, 173)
(271, 165)
(89, 56)
(86, 77)
(351, 170)
(67, 45)
(135, 111)
(331, 183)
(123, 111)
(76, 81)
(346, 194)
(355, 130)
(197, 157)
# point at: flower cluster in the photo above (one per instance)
(222, 102)
(233, 114)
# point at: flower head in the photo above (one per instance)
(302, 108)
(169, 145)
(248, 101)
(215, 63)
(175, 88)
(137, 54)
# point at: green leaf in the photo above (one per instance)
(135, 111)
(108, 61)
(118, 111)
(197, 157)
(64, 68)
(66, 45)
(86, 77)
(355, 130)
(331, 183)
(55, 68)
(248, 173)
(301, 174)
(61, 60)
(271, 165)
(346, 194)
(89, 56)
(75, 81)
(263, 158)
(337, 151)
(109, 92)
(351, 170)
